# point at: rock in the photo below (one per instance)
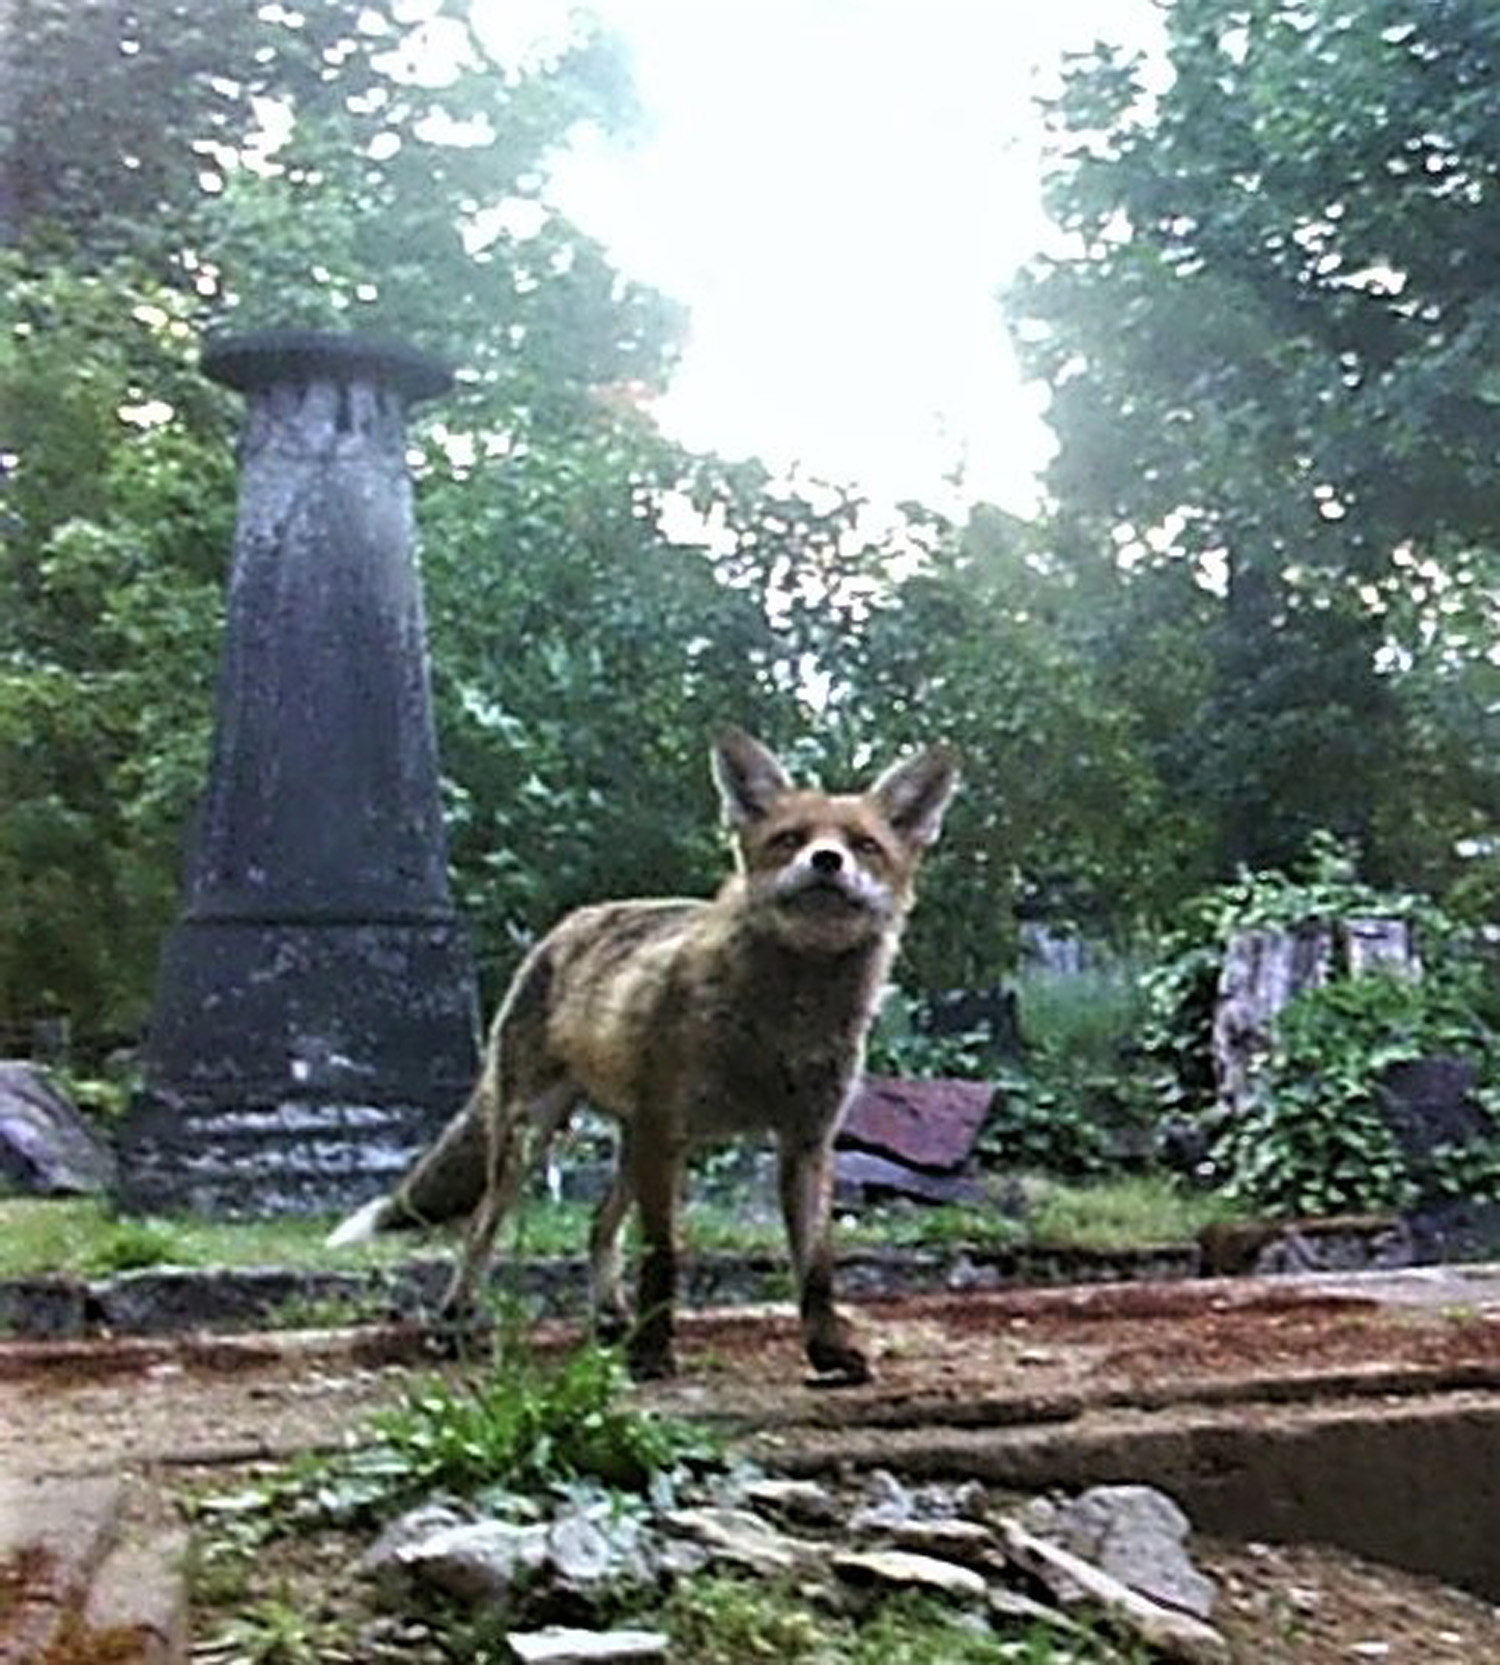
(557, 1646)
(478, 1561)
(921, 1124)
(953, 1540)
(804, 1501)
(739, 1536)
(385, 1562)
(1137, 1534)
(596, 1546)
(857, 1175)
(1428, 1102)
(901, 1569)
(888, 1504)
(47, 1149)
(1174, 1634)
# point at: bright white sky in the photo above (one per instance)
(837, 189)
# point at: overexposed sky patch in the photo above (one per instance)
(837, 189)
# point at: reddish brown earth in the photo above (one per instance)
(1023, 1389)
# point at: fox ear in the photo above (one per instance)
(749, 777)
(912, 795)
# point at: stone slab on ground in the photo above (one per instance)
(924, 1124)
(139, 1598)
(46, 1147)
(53, 1536)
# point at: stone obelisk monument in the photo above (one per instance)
(315, 1016)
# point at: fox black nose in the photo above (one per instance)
(826, 860)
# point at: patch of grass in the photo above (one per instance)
(1082, 1016)
(84, 1235)
(723, 1620)
(1139, 1212)
(522, 1426)
(919, 1226)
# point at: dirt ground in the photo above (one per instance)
(166, 1411)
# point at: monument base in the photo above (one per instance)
(254, 1160)
(297, 1067)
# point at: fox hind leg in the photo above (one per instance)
(611, 1312)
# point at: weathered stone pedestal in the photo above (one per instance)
(316, 1018)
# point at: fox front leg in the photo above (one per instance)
(806, 1181)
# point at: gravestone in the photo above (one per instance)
(315, 1019)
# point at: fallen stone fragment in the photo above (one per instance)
(955, 1540)
(384, 1561)
(139, 1595)
(47, 1149)
(799, 1500)
(479, 1561)
(1137, 1534)
(558, 1646)
(593, 1546)
(888, 1504)
(739, 1535)
(1175, 1635)
(923, 1124)
(901, 1569)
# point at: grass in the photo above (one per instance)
(84, 1237)
(1140, 1212)
(720, 1620)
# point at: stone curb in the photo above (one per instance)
(172, 1300)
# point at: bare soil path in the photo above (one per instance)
(1265, 1404)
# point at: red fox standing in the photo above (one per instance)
(691, 1021)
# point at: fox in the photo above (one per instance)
(691, 1022)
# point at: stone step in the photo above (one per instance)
(54, 1534)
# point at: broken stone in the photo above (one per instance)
(595, 1546)
(1070, 1578)
(955, 1540)
(1137, 1535)
(478, 1561)
(804, 1501)
(558, 1646)
(923, 1124)
(888, 1504)
(738, 1535)
(902, 1569)
(857, 1173)
(383, 1562)
(47, 1149)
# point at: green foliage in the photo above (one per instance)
(1315, 1142)
(1043, 1122)
(529, 1425)
(1139, 1212)
(1323, 888)
(733, 1621)
(1271, 366)
(900, 1046)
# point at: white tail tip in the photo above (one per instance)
(361, 1226)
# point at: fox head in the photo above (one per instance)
(828, 873)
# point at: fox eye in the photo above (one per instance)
(863, 845)
(787, 840)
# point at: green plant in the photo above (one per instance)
(1042, 1124)
(901, 1046)
(1315, 1141)
(276, 1630)
(130, 1245)
(1139, 1212)
(1179, 987)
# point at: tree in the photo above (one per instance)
(1269, 337)
(241, 166)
